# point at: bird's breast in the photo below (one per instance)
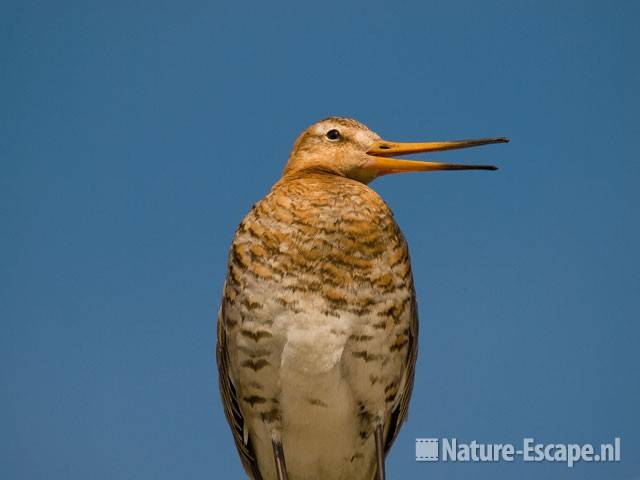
(317, 307)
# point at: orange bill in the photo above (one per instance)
(382, 150)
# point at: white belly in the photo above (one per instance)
(320, 430)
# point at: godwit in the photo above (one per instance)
(318, 328)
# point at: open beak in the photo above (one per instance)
(380, 164)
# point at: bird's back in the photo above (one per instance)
(317, 329)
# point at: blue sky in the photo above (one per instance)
(135, 135)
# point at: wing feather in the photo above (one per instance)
(232, 407)
(399, 414)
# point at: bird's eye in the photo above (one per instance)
(333, 135)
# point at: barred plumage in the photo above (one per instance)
(317, 331)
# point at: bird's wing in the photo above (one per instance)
(231, 406)
(399, 414)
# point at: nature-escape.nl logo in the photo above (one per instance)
(451, 450)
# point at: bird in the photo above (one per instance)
(317, 331)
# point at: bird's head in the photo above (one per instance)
(345, 147)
